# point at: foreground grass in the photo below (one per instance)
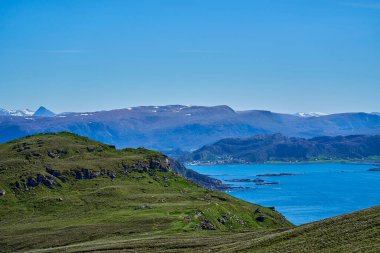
(355, 232)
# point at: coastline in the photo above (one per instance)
(365, 162)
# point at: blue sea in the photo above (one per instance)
(315, 192)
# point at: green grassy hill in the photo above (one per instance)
(63, 189)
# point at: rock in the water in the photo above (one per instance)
(374, 169)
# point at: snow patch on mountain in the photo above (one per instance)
(310, 114)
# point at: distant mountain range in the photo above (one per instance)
(278, 148)
(41, 112)
(179, 127)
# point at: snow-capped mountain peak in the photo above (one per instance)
(17, 113)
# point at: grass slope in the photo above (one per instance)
(64, 189)
(354, 232)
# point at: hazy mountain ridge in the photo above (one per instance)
(279, 148)
(186, 127)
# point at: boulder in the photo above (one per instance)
(111, 174)
(48, 181)
(31, 182)
(222, 220)
(260, 219)
(51, 154)
(18, 185)
(206, 225)
(2, 193)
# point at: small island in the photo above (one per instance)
(247, 180)
(257, 181)
(277, 175)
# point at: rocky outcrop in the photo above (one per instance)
(31, 182)
(85, 174)
(56, 174)
(56, 153)
(154, 164)
(89, 174)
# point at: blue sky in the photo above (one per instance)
(279, 55)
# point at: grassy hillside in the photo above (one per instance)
(355, 232)
(63, 189)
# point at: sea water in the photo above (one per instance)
(314, 192)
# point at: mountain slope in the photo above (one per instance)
(276, 147)
(168, 128)
(60, 189)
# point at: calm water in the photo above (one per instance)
(318, 191)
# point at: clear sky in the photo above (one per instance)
(279, 55)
